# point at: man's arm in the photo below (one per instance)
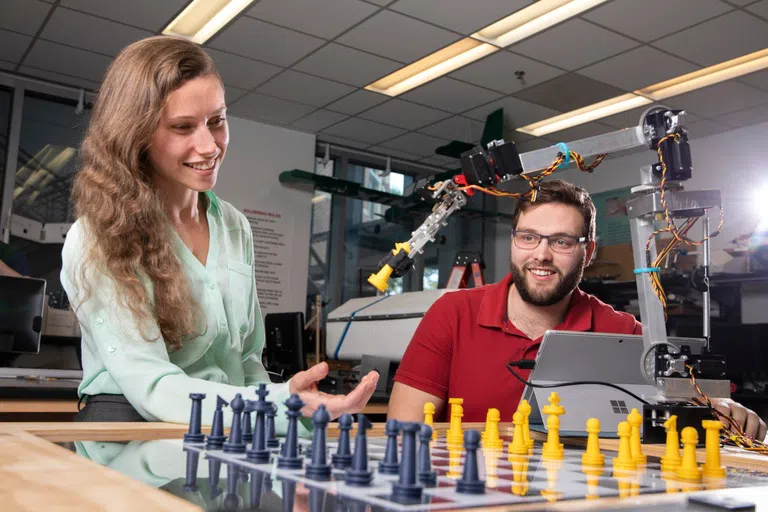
(407, 403)
(5, 270)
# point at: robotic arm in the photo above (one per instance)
(659, 196)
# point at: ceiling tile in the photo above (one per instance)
(738, 34)
(318, 120)
(57, 77)
(451, 95)
(332, 139)
(265, 108)
(67, 60)
(760, 8)
(498, 72)
(397, 37)
(357, 102)
(642, 20)
(364, 130)
(746, 117)
(533, 144)
(415, 143)
(638, 68)
(394, 153)
(581, 131)
(573, 44)
(232, 94)
(404, 114)
(13, 45)
(569, 92)
(456, 128)
(441, 161)
(24, 16)
(241, 72)
(459, 15)
(148, 14)
(517, 112)
(295, 86)
(758, 79)
(631, 118)
(723, 98)
(704, 128)
(347, 65)
(325, 19)
(263, 41)
(89, 32)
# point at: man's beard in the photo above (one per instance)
(537, 297)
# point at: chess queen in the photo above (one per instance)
(158, 268)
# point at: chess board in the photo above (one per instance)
(507, 482)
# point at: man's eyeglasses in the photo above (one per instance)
(562, 244)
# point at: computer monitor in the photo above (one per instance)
(22, 301)
(285, 343)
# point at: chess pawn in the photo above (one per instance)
(689, 470)
(492, 439)
(593, 480)
(429, 418)
(553, 449)
(624, 460)
(592, 456)
(518, 445)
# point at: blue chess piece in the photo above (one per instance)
(390, 465)
(406, 489)
(289, 457)
(470, 482)
(235, 443)
(342, 459)
(426, 475)
(216, 438)
(194, 435)
(319, 469)
(359, 475)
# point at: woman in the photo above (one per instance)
(159, 269)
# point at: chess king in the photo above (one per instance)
(159, 270)
(466, 338)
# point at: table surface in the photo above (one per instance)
(35, 472)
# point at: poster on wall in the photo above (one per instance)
(612, 219)
(271, 243)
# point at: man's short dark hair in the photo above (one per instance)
(559, 191)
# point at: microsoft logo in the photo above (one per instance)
(619, 407)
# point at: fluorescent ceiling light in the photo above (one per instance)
(584, 115)
(708, 76)
(432, 66)
(727, 70)
(532, 20)
(203, 18)
(524, 23)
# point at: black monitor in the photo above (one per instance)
(285, 343)
(22, 301)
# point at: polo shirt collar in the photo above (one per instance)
(493, 309)
(213, 203)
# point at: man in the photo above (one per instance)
(465, 340)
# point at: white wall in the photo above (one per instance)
(734, 162)
(256, 156)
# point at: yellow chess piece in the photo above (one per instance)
(623, 460)
(492, 439)
(712, 468)
(455, 430)
(552, 448)
(593, 480)
(519, 474)
(525, 409)
(455, 434)
(689, 470)
(592, 456)
(518, 446)
(553, 467)
(429, 418)
(491, 456)
(635, 419)
(454, 462)
(671, 459)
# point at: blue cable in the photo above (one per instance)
(646, 270)
(346, 328)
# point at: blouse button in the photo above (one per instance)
(99, 320)
(111, 349)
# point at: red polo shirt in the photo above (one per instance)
(464, 342)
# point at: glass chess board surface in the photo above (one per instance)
(219, 481)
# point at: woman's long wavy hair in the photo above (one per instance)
(113, 191)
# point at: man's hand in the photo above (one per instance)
(750, 422)
(305, 384)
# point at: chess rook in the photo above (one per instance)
(194, 435)
(712, 468)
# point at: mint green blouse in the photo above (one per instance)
(224, 360)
